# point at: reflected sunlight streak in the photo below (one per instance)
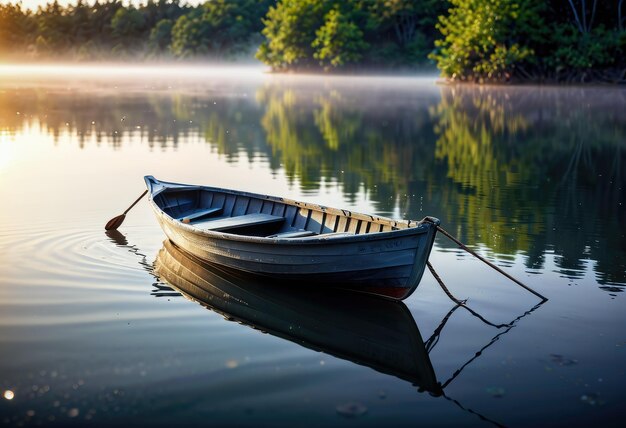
(7, 151)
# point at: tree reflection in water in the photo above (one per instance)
(518, 170)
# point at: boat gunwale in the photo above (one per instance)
(411, 227)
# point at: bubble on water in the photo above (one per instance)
(351, 410)
(592, 399)
(496, 391)
(9, 395)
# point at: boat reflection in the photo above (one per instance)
(370, 331)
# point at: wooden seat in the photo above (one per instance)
(199, 214)
(238, 222)
(334, 235)
(293, 234)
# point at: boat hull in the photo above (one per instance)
(387, 263)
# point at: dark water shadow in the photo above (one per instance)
(366, 330)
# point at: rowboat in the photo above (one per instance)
(372, 332)
(296, 241)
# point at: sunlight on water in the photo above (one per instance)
(93, 326)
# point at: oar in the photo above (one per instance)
(116, 222)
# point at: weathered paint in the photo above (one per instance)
(354, 250)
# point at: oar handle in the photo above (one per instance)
(135, 203)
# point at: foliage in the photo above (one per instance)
(16, 25)
(109, 29)
(189, 36)
(576, 50)
(218, 27)
(339, 41)
(486, 39)
(335, 33)
(290, 29)
(161, 35)
(128, 25)
(536, 39)
(469, 40)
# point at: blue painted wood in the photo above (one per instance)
(205, 212)
(294, 234)
(354, 250)
(239, 221)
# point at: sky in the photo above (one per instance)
(33, 4)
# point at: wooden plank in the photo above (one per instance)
(268, 207)
(206, 199)
(327, 220)
(341, 225)
(302, 218)
(290, 214)
(238, 222)
(353, 226)
(219, 200)
(279, 209)
(199, 214)
(229, 204)
(241, 206)
(335, 235)
(254, 206)
(293, 234)
(315, 221)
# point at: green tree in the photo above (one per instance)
(128, 25)
(338, 42)
(161, 35)
(290, 29)
(189, 36)
(53, 27)
(487, 39)
(16, 27)
(218, 27)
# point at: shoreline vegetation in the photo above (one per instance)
(479, 41)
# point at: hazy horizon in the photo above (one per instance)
(34, 4)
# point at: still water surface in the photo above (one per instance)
(92, 331)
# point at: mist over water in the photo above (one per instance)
(532, 177)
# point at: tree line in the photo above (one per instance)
(468, 40)
(109, 29)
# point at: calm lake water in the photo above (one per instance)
(93, 332)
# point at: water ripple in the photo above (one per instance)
(58, 256)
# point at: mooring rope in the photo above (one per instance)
(473, 253)
(462, 303)
(443, 286)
